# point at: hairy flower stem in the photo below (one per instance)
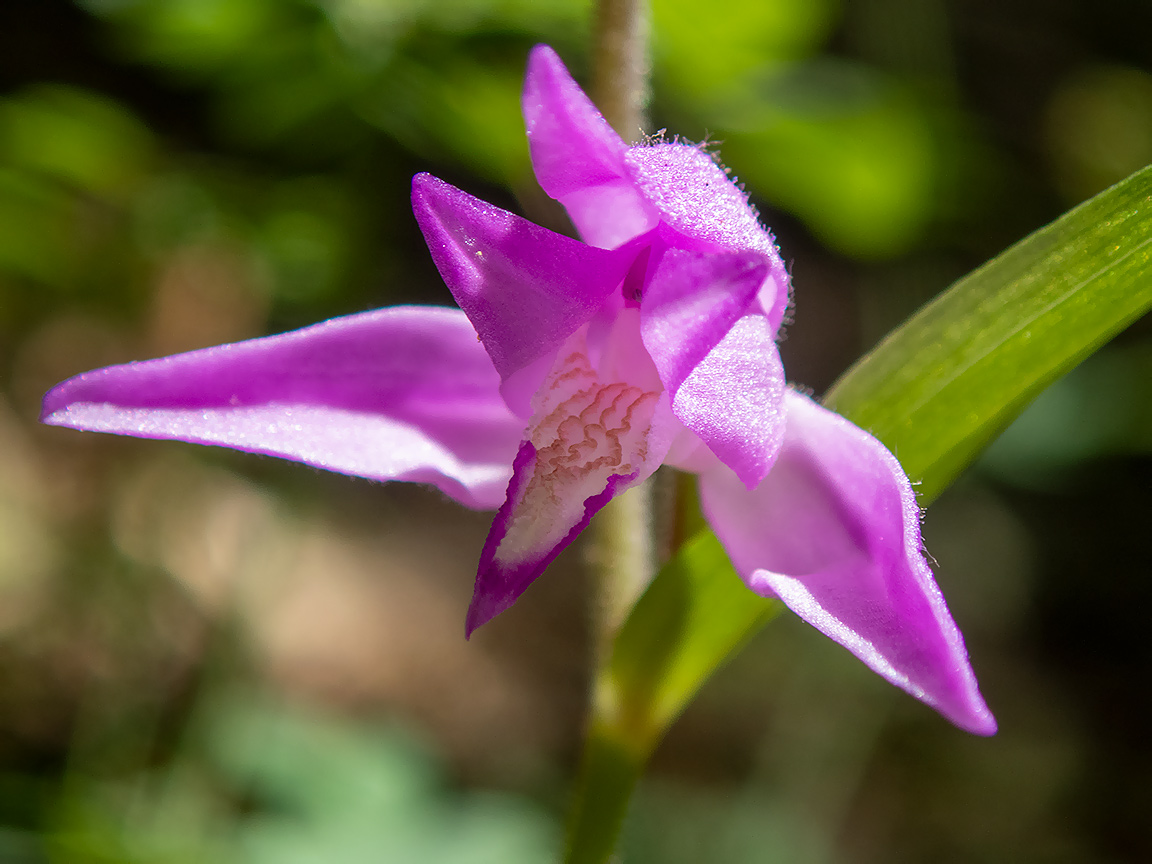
(623, 553)
(609, 770)
(620, 66)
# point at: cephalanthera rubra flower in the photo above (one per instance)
(570, 372)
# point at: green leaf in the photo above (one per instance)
(939, 388)
(694, 614)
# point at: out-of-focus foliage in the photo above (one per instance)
(1099, 128)
(1102, 408)
(272, 784)
(317, 76)
(855, 153)
(693, 616)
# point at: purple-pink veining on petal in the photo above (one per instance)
(588, 440)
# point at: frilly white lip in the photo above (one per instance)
(590, 432)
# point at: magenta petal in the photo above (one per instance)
(578, 158)
(720, 366)
(696, 198)
(690, 302)
(405, 393)
(524, 288)
(834, 532)
(589, 439)
(499, 584)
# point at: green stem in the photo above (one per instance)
(623, 556)
(620, 67)
(624, 549)
(609, 770)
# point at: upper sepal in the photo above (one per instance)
(578, 158)
(700, 208)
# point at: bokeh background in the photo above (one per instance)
(209, 656)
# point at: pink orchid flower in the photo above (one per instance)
(571, 371)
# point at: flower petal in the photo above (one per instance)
(578, 158)
(720, 365)
(834, 533)
(698, 200)
(405, 393)
(524, 288)
(690, 302)
(589, 440)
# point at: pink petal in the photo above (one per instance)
(696, 198)
(834, 532)
(405, 393)
(578, 158)
(524, 288)
(720, 365)
(589, 440)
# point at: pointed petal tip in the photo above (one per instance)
(56, 418)
(425, 186)
(46, 411)
(54, 405)
(483, 608)
(985, 726)
(543, 54)
(973, 717)
(545, 69)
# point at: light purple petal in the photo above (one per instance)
(834, 532)
(690, 302)
(696, 198)
(524, 288)
(578, 158)
(588, 440)
(405, 393)
(718, 362)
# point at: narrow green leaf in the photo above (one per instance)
(939, 388)
(694, 614)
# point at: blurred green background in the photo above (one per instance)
(207, 656)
